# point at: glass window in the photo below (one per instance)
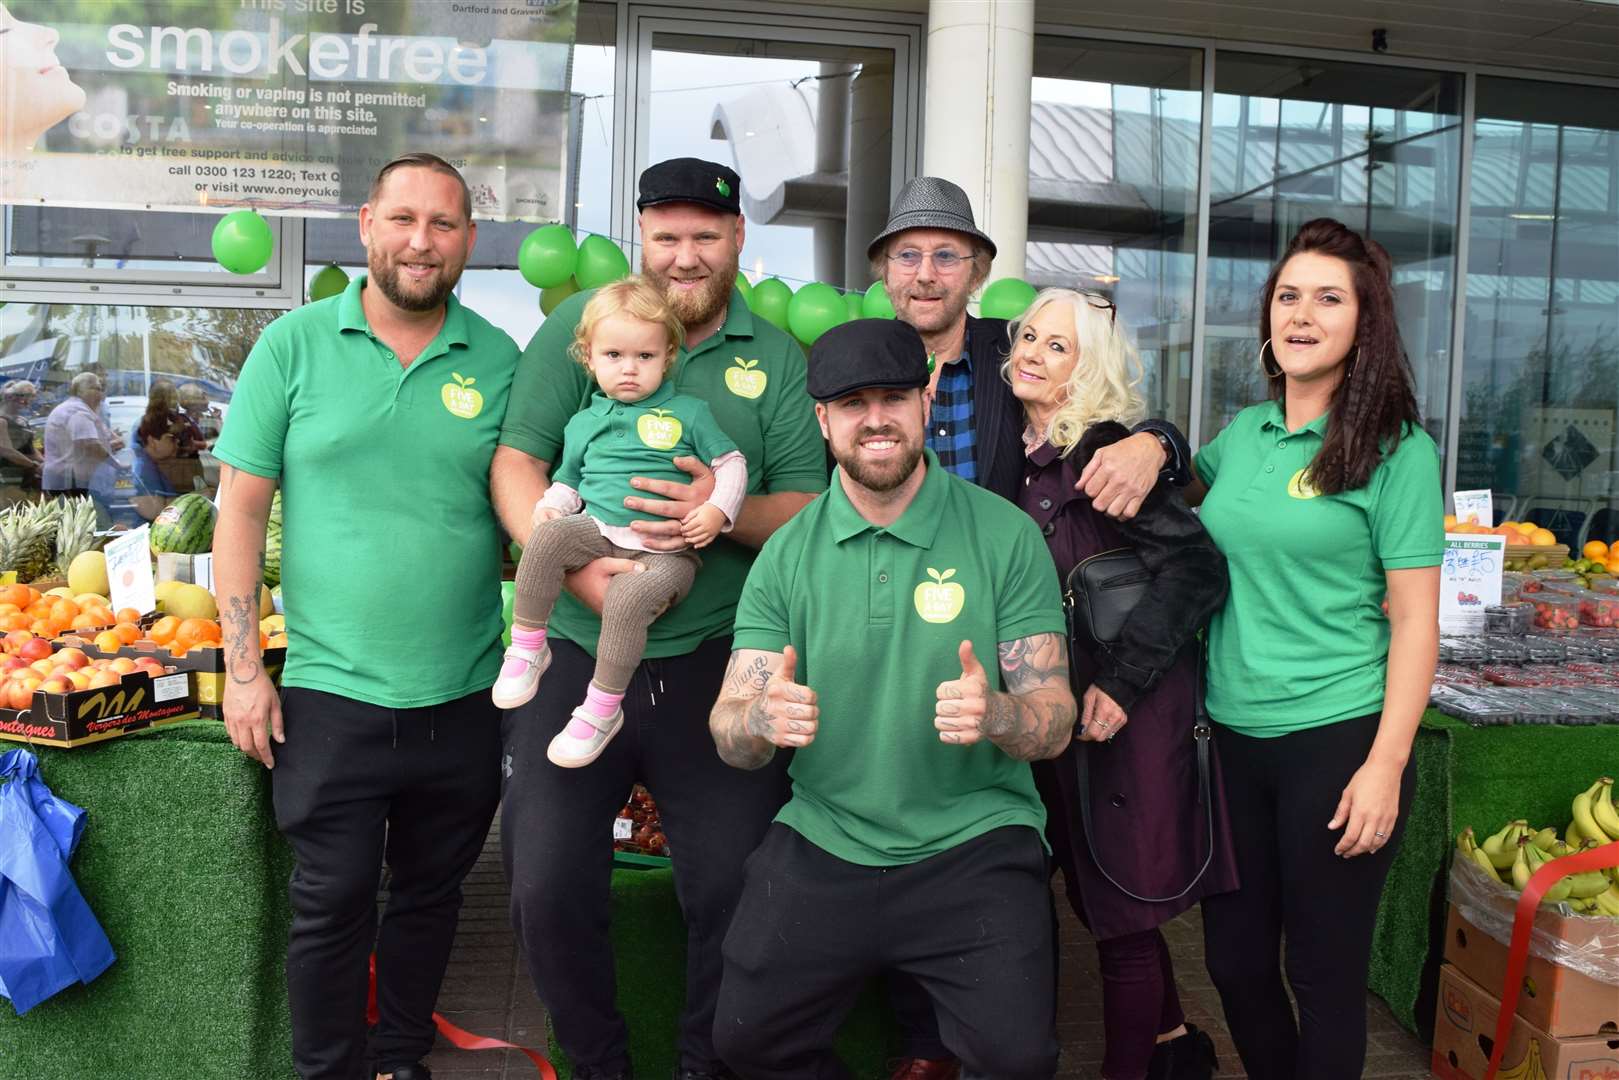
(1540, 359)
(1113, 161)
(163, 379)
(808, 126)
(1374, 147)
(487, 286)
(107, 243)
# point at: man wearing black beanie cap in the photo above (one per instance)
(913, 838)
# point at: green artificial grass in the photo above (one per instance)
(649, 950)
(182, 864)
(1483, 777)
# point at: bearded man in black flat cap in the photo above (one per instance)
(912, 842)
(555, 823)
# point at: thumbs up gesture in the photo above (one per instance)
(786, 713)
(962, 703)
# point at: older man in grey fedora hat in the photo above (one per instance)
(931, 257)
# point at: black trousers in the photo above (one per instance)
(555, 832)
(972, 925)
(1281, 793)
(355, 784)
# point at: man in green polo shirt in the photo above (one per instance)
(553, 820)
(912, 841)
(376, 412)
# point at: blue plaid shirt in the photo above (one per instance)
(950, 428)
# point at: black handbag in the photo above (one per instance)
(1098, 597)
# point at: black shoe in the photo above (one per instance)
(417, 1071)
(1185, 1057)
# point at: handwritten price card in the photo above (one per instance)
(1469, 581)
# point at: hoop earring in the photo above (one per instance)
(1266, 367)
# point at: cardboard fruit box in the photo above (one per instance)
(1464, 1036)
(206, 661)
(138, 702)
(1556, 999)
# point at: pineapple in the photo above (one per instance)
(76, 534)
(34, 532)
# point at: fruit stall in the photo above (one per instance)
(1514, 764)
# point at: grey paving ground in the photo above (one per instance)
(487, 991)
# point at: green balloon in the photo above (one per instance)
(550, 298)
(746, 286)
(876, 304)
(242, 242)
(600, 261)
(547, 256)
(329, 282)
(813, 310)
(1006, 299)
(770, 299)
(855, 303)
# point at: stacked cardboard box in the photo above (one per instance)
(1567, 1022)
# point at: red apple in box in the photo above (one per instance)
(72, 659)
(56, 685)
(34, 648)
(151, 666)
(104, 678)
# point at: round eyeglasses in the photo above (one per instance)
(944, 261)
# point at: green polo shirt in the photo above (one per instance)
(752, 377)
(877, 616)
(1302, 640)
(390, 547)
(611, 441)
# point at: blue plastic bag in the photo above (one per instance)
(49, 937)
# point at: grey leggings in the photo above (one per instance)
(563, 545)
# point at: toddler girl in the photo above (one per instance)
(635, 425)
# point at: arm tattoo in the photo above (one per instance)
(738, 716)
(1034, 718)
(243, 655)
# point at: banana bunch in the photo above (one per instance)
(1529, 1068)
(1594, 815)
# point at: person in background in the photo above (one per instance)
(1325, 500)
(202, 415)
(376, 412)
(77, 438)
(912, 840)
(1078, 380)
(127, 498)
(20, 461)
(931, 257)
(163, 413)
(553, 820)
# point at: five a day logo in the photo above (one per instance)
(939, 600)
(658, 429)
(745, 379)
(1300, 487)
(460, 398)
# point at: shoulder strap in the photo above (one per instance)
(1202, 733)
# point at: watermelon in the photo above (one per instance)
(185, 526)
(272, 544)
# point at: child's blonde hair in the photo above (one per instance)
(638, 298)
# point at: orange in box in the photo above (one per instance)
(1555, 999)
(1464, 1035)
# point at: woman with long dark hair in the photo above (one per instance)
(1325, 500)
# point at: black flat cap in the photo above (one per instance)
(691, 180)
(866, 352)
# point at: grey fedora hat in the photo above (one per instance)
(929, 202)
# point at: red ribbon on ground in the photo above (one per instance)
(1549, 874)
(460, 1038)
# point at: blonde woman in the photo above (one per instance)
(1078, 380)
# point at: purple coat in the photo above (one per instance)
(1149, 827)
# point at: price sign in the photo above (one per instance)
(129, 571)
(1477, 507)
(1469, 581)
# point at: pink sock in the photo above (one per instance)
(599, 703)
(524, 638)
